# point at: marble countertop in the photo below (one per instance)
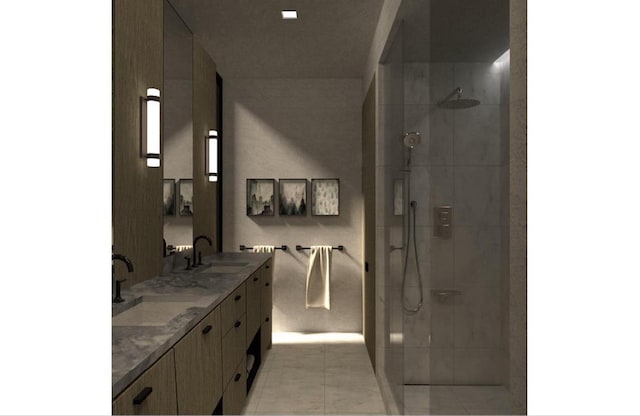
(159, 311)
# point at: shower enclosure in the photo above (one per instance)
(444, 106)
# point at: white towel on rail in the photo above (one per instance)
(264, 249)
(318, 277)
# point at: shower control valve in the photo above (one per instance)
(442, 218)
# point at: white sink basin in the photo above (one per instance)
(158, 310)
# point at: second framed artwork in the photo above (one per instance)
(293, 197)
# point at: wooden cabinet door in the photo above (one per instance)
(236, 393)
(199, 367)
(254, 300)
(233, 349)
(153, 393)
(233, 307)
(266, 307)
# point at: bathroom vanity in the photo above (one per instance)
(181, 342)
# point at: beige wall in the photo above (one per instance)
(137, 189)
(298, 128)
(518, 207)
(204, 119)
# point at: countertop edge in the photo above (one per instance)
(128, 378)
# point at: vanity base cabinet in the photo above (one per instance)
(254, 300)
(266, 276)
(198, 359)
(153, 393)
(236, 393)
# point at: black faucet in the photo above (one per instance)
(117, 298)
(195, 240)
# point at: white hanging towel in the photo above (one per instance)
(318, 277)
(263, 249)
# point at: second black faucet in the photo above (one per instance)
(195, 240)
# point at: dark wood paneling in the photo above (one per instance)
(369, 190)
(205, 205)
(137, 189)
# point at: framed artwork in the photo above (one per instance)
(169, 197)
(398, 196)
(293, 197)
(260, 197)
(325, 196)
(185, 202)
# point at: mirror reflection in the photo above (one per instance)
(177, 131)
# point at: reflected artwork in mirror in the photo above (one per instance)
(186, 197)
(169, 197)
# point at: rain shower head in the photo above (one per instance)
(411, 139)
(458, 102)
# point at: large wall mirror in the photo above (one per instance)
(178, 130)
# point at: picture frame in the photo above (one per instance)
(261, 199)
(325, 197)
(169, 197)
(292, 196)
(185, 197)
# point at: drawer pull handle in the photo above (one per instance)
(237, 324)
(267, 320)
(267, 267)
(255, 279)
(237, 298)
(237, 377)
(207, 329)
(267, 284)
(141, 397)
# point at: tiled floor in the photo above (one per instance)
(316, 374)
(456, 400)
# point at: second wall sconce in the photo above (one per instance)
(150, 122)
(211, 152)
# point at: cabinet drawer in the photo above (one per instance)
(233, 349)
(254, 299)
(153, 393)
(198, 358)
(236, 393)
(233, 307)
(265, 336)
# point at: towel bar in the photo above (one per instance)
(299, 247)
(243, 247)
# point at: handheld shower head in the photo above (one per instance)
(411, 139)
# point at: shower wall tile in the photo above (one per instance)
(442, 321)
(416, 83)
(440, 136)
(477, 196)
(441, 81)
(477, 366)
(478, 318)
(441, 189)
(442, 366)
(416, 119)
(477, 135)
(417, 327)
(442, 263)
(416, 365)
(477, 255)
(421, 192)
(479, 81)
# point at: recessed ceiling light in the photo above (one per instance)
(289, 14)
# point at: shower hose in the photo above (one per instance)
(411, 229)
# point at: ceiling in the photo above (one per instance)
(249, 38)
(454, 30)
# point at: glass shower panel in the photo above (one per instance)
(454, 236)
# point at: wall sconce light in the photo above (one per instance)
(150, 122)
(211, 152)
